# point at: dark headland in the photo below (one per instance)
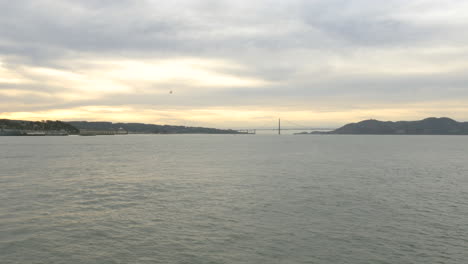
(54, 128)
(35, 128)
(140, 128)
(428, 126)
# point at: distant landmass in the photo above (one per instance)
(47, 127)
(54, 128)
(140, 128)
(428, 126)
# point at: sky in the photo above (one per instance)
(233, 64)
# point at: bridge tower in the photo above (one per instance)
(279, 126)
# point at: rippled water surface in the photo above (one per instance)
(234, 199)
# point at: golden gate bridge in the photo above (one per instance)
(279, 128)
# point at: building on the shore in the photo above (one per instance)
(92, 132)
(10, 132)
(89, 132)
(121, 131)
(20, 132)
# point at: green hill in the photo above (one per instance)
(428, 126)
(149, 128)
(47, 125)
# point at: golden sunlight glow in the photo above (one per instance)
(183, 72)
(83, 81)
(241, 118)
(18, 93)
(100, 78)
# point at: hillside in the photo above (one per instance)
(141, 128)
(47, 125)
(428, 126)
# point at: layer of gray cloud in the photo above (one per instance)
(288, 43)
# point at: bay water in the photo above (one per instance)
(234, 199)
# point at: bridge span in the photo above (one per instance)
(279, 128)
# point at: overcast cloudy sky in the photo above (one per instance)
(233, 63)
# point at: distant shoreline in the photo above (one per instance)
(429, 126)
(84, 128)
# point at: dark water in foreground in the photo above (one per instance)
(234, 199)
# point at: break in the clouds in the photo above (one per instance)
(233, 63)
